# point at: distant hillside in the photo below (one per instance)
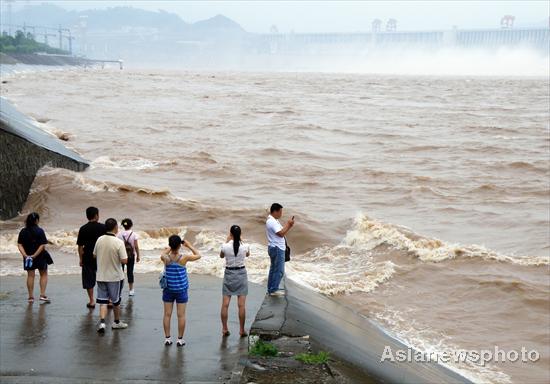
(115, 18)
(219, 23)
(134, 35)
(43, 14)
(121, 18)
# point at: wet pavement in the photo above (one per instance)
(58, 342)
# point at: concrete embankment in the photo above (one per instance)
(350, 339)
(34, 59)
(51, 60)
(24, 149)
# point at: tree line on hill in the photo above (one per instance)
(25, 43)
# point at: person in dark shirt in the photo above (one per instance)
(32, 245)
(87, 237)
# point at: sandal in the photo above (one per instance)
(91, 306)
(244, 334)
(226, 333)
(45, 299)
(30, 300)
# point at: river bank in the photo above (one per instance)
(442, 245)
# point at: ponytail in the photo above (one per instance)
(236, 233)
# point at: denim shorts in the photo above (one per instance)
(169, 296)
(109, 290)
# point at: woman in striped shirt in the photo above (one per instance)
(177, 284)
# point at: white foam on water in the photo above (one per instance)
(136, 163)
(8, 243)
(339, 270)
(151, 244)
(425, 339)
(78, 180)
(368, 234)
(65, 241)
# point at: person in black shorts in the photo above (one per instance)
(32, 245)
(87, 237)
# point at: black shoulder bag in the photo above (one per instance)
(287, 252)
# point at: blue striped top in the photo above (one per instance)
(176, 277)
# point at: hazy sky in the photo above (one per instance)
(338, 16)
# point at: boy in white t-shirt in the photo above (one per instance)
(276, 247)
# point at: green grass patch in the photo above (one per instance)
(312, 358)
(262, 348)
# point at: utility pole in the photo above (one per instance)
(8, 5)
(82, 42)
(70, 42)
(60, 38)
(46, 35)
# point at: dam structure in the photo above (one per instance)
(24, 149)
(304, 43)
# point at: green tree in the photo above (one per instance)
(22, 43)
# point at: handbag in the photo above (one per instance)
(287, 252)
(162, 280)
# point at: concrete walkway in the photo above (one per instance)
(58, 342)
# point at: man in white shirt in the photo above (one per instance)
(110, 253)
(276, 247)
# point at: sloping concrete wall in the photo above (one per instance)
(24, 149)
(345, 334)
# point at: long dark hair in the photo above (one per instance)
(236, 233)
(32, 220)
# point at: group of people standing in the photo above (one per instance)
(105, 253)
(88, 234)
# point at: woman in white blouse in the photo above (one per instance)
(235, 279)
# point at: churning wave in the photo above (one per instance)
(368, 234)
(134, 163)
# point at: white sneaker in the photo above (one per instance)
(168, 341)
(101, 328)
(120, 325)
(277, 293)
(131, 293)
(180, 342)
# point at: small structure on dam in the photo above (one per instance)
(24, 149)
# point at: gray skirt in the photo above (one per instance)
(235, 282)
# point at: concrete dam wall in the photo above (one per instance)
(535, 38)
(24, 149)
